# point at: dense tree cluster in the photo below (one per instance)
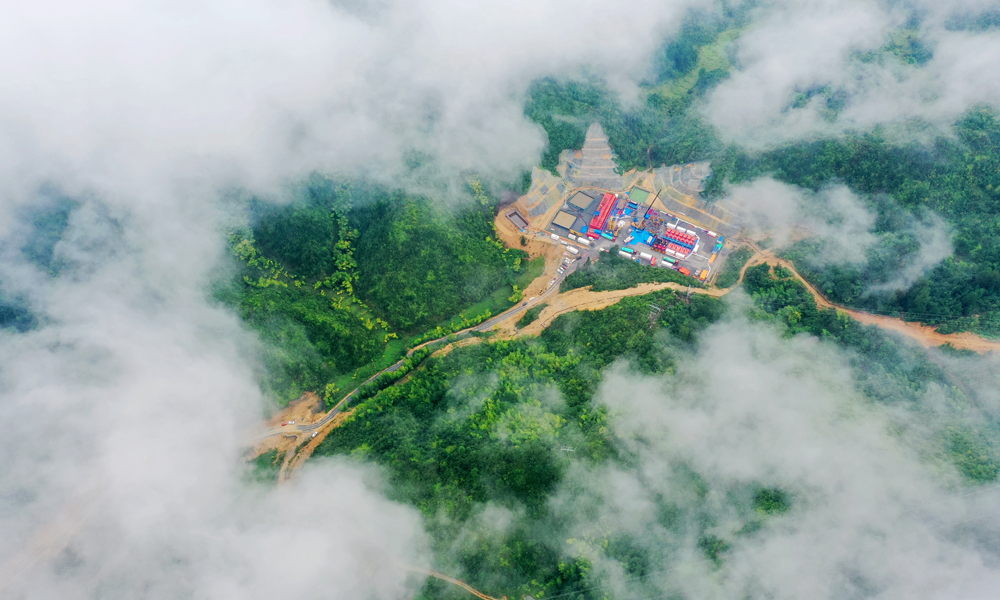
(612, 271)
(734, 264)
(331, 278)
(418, 264)
(887, 370)
(956, 178)
(475, 427)
(531, 315)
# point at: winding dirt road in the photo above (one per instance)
(927, 336)
(585, 299)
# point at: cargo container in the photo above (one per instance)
(670, 260)
(607, 235)
(572, 250)
(712, 260)
(711, 233)
(652, 262)
(629, 250)
(645, 255)
(572, 237)
(671, 226)
(583, 241)
(624, 254)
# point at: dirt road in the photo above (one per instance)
(586, 299)
(926, 335)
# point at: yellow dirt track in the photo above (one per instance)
(926, 335)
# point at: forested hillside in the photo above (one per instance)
(662, 130)
(957, 178)
(505, 424)
(613, 272)
(331, 279)
(484, 425)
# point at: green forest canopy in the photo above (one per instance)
(330, 279)
(472, 429)
(955, 177)
(958, 179)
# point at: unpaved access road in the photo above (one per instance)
(586, 299)
(927, 336)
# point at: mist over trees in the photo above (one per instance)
(665, 447)
(330, 279)
(956, 178)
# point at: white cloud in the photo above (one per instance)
(842, 224)
(801, 46)
(871, 514)
(126, 408)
